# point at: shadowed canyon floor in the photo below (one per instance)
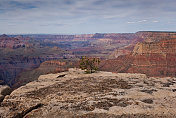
(102, 94)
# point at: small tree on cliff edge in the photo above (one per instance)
(90, 65)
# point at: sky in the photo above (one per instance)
(86, 16)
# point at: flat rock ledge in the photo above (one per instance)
(74, 94)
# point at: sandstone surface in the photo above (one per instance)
(74, 94)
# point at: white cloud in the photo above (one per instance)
(32, 14)
(130, 22)
(155, 21)
(142, 21)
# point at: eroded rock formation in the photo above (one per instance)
(53, 66)
(18, 54)
(102, 94)
(154, 56)
(151, 53)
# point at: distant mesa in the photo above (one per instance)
(4, 35)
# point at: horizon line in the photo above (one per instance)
(81, 33)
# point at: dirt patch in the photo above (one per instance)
(148, 101)
(101, 104)
(149, 83)
(86, 85)
(149, 91)
(167, 84)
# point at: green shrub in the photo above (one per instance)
(89, 64)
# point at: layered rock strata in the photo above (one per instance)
(154, 56)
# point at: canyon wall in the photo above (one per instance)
(50, 66)
(152, 53)
(44, 47)
(154, 56)
(18, 54)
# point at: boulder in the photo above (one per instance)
(4, 90)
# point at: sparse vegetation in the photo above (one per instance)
(90, 65)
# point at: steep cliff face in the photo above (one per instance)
(160, 47)
(74, 94)
(131, 40)
(154, 56)
(52, 66)
(18, 54)
(10, 70)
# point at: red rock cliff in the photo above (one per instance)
(155, 56)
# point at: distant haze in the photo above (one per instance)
(86, 16)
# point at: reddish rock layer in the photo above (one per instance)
(10, 42)
(155, 56)
(53, 66)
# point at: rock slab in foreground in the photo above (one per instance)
(103, 94)
(4, 90)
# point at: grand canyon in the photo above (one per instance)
(40, 75)
(150, 53)
(87, 59)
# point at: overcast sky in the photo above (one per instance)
(86, 16)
